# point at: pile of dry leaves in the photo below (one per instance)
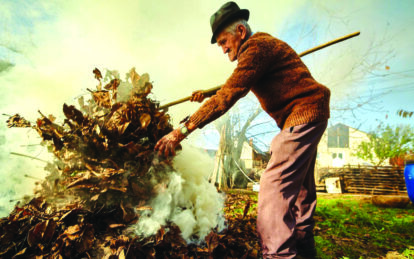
(100, 182)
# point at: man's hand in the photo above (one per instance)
(197, 96)
(166, 145)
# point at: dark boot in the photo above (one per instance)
(306, 248)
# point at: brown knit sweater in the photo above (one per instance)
(279, 79)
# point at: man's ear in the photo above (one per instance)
(242, 30)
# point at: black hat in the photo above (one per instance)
(229, 12)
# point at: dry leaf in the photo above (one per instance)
(212, 241)
(113, 85)
(123, 127)
(133, 75)
(18, 121)
(102, 98)
(246, 209)
(36, 233)
(97, 74)
(117, 225)
(73, 114)
(145, 120)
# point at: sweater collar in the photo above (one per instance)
(254, 35)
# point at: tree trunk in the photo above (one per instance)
(231, 143)
(218, 177)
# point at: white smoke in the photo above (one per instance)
(187, 199)
(19, 174)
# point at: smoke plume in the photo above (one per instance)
(186, 199)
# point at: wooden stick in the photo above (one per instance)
(32, 157)
(329, 43)
(32, 177)
(210, 92)
(207, 93)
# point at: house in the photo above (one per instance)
(338, 146)
(252, 157)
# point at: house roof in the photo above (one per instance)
(344, 125)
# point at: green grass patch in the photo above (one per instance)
(350, 228)
(347, 226)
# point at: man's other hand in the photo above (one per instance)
(166, 145)
(197, 96)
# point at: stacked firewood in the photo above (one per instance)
(368, 179)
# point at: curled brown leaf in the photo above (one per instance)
(97, 73)
(145, 120)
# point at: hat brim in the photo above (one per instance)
(243, 13)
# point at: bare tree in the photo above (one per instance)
(232, 127)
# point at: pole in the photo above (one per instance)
(210, 92)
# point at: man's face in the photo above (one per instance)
(230, 43)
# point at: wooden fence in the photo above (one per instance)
(366, 179)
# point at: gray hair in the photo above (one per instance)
(231, 28)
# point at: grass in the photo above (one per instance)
(350, 226)
(347, 227)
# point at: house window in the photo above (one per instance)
(338, 136)
(333, 155)
(340, 155)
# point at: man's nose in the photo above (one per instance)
(225, 49)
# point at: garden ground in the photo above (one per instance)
(347, 226)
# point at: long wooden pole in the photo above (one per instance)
(210, 92)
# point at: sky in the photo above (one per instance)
(48, 50)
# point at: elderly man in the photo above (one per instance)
(300, 106)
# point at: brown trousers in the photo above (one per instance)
(287, 196)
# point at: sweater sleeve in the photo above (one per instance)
(252, 63)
